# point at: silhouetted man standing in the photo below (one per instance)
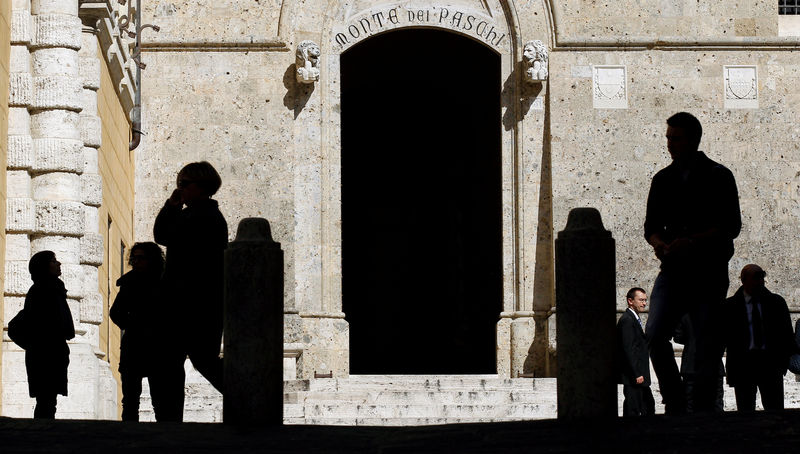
(633, 357)
(692, 218)
(759, 338)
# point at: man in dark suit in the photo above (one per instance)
(634, 358)
(759, 340)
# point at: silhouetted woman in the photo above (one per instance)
(48, 315)
(196, 237)
(137, 312)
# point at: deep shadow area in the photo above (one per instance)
(726, 432)
(421, 203)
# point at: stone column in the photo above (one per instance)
(585, 323)
(253, 327)
(19, 206)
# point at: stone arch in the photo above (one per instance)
(318, 141)
(506, 43)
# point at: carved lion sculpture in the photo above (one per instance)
(535, 56)
(307, 62)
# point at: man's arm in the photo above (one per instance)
(165, 221)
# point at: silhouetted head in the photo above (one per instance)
(637, 299)
(147, 257)
(753, 279)
(43, 265)
(683, 134)
(198, 180)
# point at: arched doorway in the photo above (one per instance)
(421, 203)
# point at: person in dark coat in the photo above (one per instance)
(47, 313)
(759, 341)
(692, 218)
(634, 358)
(195, 233)
(145, 347)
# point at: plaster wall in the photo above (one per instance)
(115, 215)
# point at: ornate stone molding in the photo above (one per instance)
(307, 62)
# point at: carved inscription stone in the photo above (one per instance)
(609, 87)
(374, 21)
(741, 87)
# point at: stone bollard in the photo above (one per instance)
(586, 318)
(253, 351)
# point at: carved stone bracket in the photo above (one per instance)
(307, 62)
(535, 56)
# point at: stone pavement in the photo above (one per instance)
(727, 432)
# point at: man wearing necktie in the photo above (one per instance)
(759, 340)
(634, 360)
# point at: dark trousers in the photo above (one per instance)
(638, 401)
(167, 389)
(131, 393)
(698, 293)
(759, 376)
(203, 348)
(45, 407)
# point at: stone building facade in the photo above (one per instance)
(414, 158)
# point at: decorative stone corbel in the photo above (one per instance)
(535, 57)
(307, 62)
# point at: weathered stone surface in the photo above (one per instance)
(92, 189)
(18, 279)
(57, 92)
(21, 26)
(19, 215)
(91, 130)
(57, 186)
(59, 155)
(20, 152)
(20, 86)
(90, 72)
(18, 184)
(57, 30)
(92, 249)
(66, 248)
(59, 217)
(92, 308)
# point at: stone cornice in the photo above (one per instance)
(677, 43)
(99, 15)
(244, 44)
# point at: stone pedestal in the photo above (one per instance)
(253, 327)
(585, 326)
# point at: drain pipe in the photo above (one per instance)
(136, 112)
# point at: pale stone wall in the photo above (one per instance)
(218, 90)
(625, 20)
(5, 60)
(605, 158)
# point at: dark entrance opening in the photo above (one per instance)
(421, 203)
